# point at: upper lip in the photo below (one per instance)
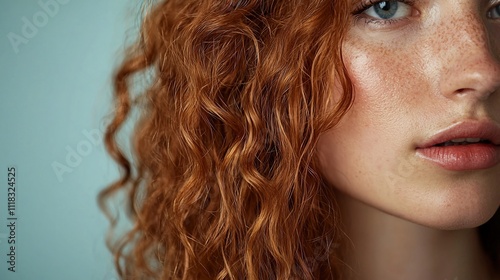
(468, 129)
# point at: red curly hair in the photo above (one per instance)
(224, 183)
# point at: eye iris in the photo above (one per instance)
(496, 12)
(386, 9)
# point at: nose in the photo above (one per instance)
(471, 58)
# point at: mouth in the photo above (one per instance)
(465, 146)
(464, 141)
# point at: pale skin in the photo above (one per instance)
(436, 63)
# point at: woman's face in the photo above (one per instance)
(425, 72)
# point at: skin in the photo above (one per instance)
(435, 66)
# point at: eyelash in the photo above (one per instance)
(495, 4)
(365, 5)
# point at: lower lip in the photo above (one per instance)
(463, 157)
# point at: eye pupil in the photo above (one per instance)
(384, 6)
(494, 13)
(386, 9)
(497, 11)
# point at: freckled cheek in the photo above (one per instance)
(383, 72)
(387, 81)
(375, 86)
(373, 136)
(387, 100)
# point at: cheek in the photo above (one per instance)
(370, 154)
(385, 79)
(373, 140)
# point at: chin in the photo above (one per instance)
(460, 201)
(453, 222)
(464, 212)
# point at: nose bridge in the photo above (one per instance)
(470, 31)
(474, 44)
(471, 57)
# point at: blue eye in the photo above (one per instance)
(495, 12)
(388, 10)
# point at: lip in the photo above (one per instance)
(464, 157)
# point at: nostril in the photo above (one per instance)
(463, 90)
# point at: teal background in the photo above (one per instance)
(54, 95)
